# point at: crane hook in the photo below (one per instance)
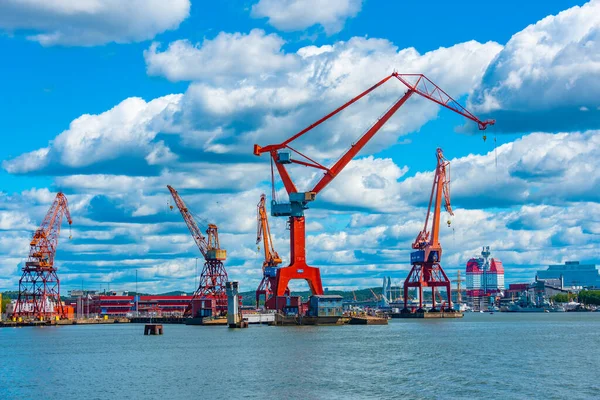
(484, 137)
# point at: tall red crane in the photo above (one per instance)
(213, 276)
(426, 270)
(272, 259)
(39, 286)
(281, 155)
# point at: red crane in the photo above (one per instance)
(281, 155)
(426, 270)
(272, 259)
(39, 286)
(213, 276)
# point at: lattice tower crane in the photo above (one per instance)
(426, 270)
(272, 259)
(281, 155)
(214, 275)
(39, 286)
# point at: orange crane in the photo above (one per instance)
(374, 295)
(426, 270)
(213, 276)
(272, 259)
(281, 156)
(39, 286)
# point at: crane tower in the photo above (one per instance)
(213, 277)
(39, 286)
(426, 270)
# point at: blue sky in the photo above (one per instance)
(112, 101)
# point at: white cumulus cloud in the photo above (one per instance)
(227, 56)
(126, 129)
(537, 168)
(546, 74)
(228, 118)
(92, 22)
(296, 15)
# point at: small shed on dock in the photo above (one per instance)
(325, 306)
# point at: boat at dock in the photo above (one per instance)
(532, 309)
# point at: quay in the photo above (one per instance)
(61, 322)
(367, 320)
(428, 314)
(161, 320)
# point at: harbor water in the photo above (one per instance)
(504, 355)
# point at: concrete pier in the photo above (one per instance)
(428, 314)
(153, 329)
(367, 320)
(234, 315)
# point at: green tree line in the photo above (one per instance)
(563, 297)
(588, 297)
(5, 301)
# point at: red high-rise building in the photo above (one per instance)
(485, 278)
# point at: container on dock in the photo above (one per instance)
(289, 304)
(204, 307)
(68, 312)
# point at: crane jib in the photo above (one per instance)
(422, 86)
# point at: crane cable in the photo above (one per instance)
(273, 191)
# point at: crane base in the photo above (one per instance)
(311, 275)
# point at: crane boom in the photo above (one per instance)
(416, 83)
(350, 154)
(45, 239)
(210, 247)
(374, 294)
(263, 232)
(423, 86)
(439, 189)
